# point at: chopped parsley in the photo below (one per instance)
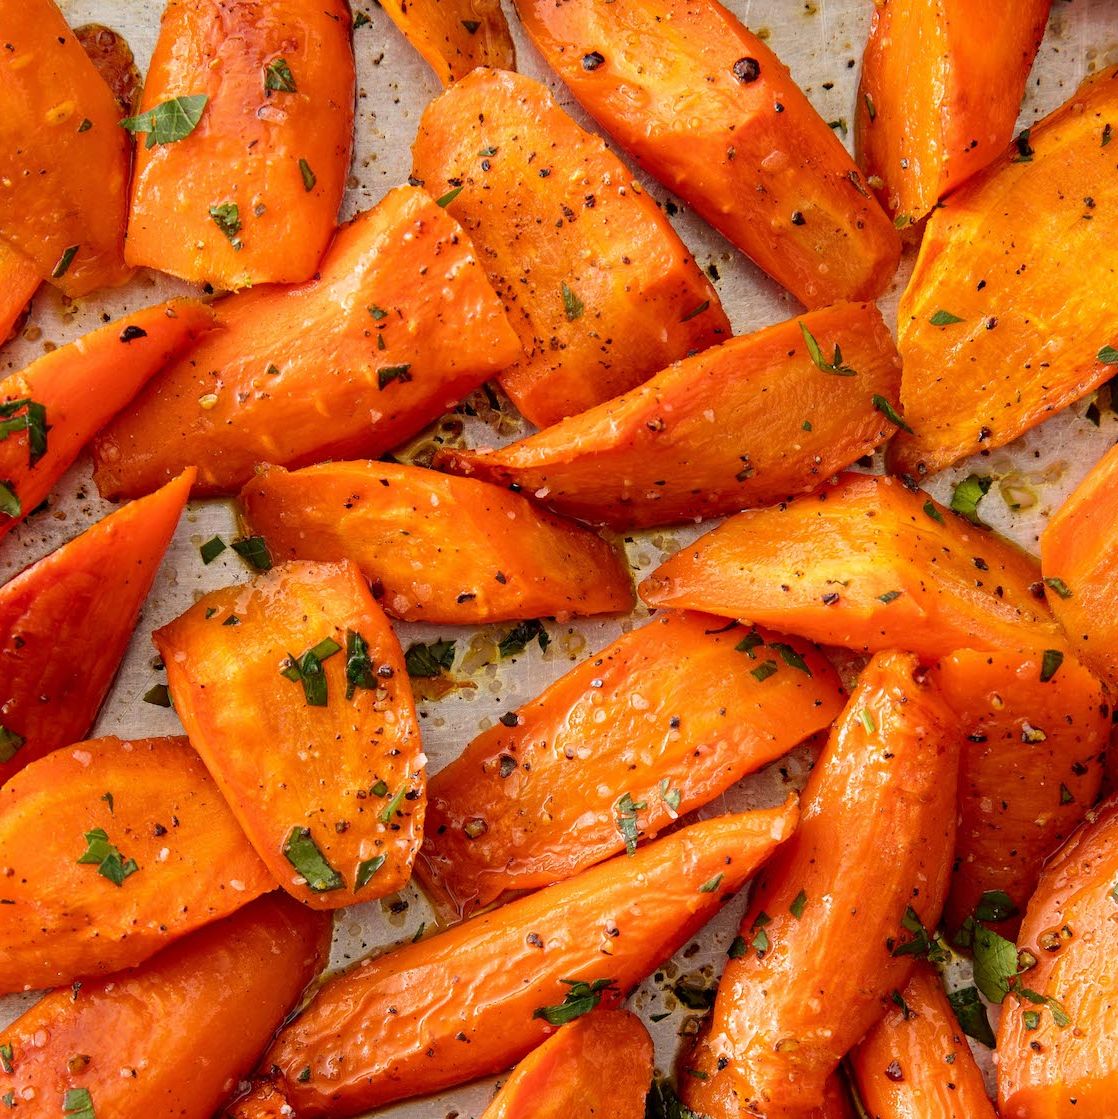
(627, 824)
(309, 177)
(572, 305)
(711, 885)
(518, 638)
(9, 503)
(931, 510)
(386, 374)
(835, 365)
(227, 217)
(366, 870)
(799, 904)
(64, 261)
(211, 549)
(1059, 586)
(449, 197)
(110, 863)
(944, 318)
(890, 413)
(971, 1013)
(1050, 664)
(390, 809)
(1108, 355)
(307, 670)
(581, 999)
(158, 695)
(301, 851)
(359, 670)
(170, 121)
(278, 77)
(254, 551)
(27, 415)
(968, 493)
(425, 661)
(77, 1103)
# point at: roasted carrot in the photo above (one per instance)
(598, 286)
(112, 850)
(992, 338)
(836, 1101)
(824, 938)
(596, 1066)
(916, 1063)
(941, 88)
(19, 280)
(865, 563)
(463, 1004)
(52, 408)
(438, 549)
(655, 725)
(294, 691)
(748, 422)
(173, 1037)
(457, 37)
(66, 621)
(705, 106)
(250, 194)
(112, 58)
(1037, 726)
(398, 326)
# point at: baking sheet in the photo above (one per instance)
(821, 40)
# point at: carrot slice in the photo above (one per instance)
(398, 326)
(655, 725)
(836, 1101)
(174, 1036)
(687, 443)
(871, 858)
(19, 280)
(916, 1063)
(865, 563)
(299, 676)
(457, 37)
(66, 621)
(112, 57)
(611, 294)
(251, 194)
(442, 549)
(161, 856)
(63, 160)
(57, 403)
(989, 298)
(938, 102)
(708, 109)
(463, 1004)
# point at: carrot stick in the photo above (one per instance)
(455, 38)
(19, 280)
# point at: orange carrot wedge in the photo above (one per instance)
(299, 677)
(836, 1101)
(938, 102)
(916, 1063)
(824, 940)
(112, 850)
(457, 37)
(655, 725)
(173, 1037)
(474, 1000)
(994, 333)
(53, 407)
(398, 326)
(66, 621)
(438, 549)
(250, 194)
(707, 108)
(19, 280)
(598, 286)
(64, 161)
(867, 564)
(691, 442)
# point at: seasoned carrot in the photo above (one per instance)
(399, 325)
(941, 88)
(993, 333)
(830, 911)
(112, 58)
(655, 725)
(250, 195)
(66, 621)
(1037, 726)
(112, 850)
(455, 37)
(598, 286)
(836, 1101)
(463, 1004)
(52, 408)
(19, 280)
(745, 423)
(438, 549)
(64, 163)
(916, 1063)
(294, 691)
(865, 563)
(705, 106)
(173, 1037)
(597, 1066)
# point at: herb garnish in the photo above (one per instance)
(9, 503)
(572, 305)
(1050, 664)
(27, 415)
(581, 999)
(301, 851)
(890, 413)
(309, 177)
(211, 549)
(710, 886)
(170, 121)
(366, 870)
(77, 1103)
(110, 863)
(278, 77)
(425, 661)
(944, 318)
(158, 695)
(520, 635)
(227, 218)
(971, 1013)
(627, 810)
(450, 196)
(931, 510)
(389, 810)
(835, 365)
(968, 493)
(359, 672)
(1108, 355)
(254, 551)
(307, 670)
(64, 262)
(799, 904)
(10, 743)
(389, 373)
(1058, 585)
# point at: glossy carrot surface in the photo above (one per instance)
(19, 280)
(455, 36)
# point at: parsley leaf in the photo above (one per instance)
(581, 999)
(254, 551)
(835, 365)
(520, 635)
(27, 415)
(1058, 585)
(227, 218)
(110, 863)
(971, 1013)
(890, 413)
(64, 262)
(572, 305)
(426, 661)
(449, 197)
(931, 510)
(9, 503)
(211, 549)
(10, 743)
(995, 963)
(77, 1103)
(307, 670)
(790, 656)
(170, 121)
(278, 77)
(627, 810)
(359, 672)
(158, 695)
(1108, 355)
(1050, 664)
(366, 870)
(968, 493)
(389, 373)
(389, 810)
(309, 177)
(944, 318)
(799, 904)
(301, 851)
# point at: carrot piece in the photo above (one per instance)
(19, 280)
(825, 916)
(865, 563)
(461, 1005)
(598, 1065)
(299, 676)
(181, 860)
(611, 294)
(112, 58)
(687, 442)
(399, 325)
(707, 108)
(836, 1101)
(174, 1036)
(916, 1063)
(443, 549)
(989, 298)
(455, 38)
(938, 102)
(63, 398)
(251, 195)
(1058, 1058)
(668, 716)
(66, 621)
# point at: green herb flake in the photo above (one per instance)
(995, 905)
(158, 695)
(889, 596)
(815, 352)
(366, 870)
(711, 885)
(627, 824)
(1066, 795)
(572, 305)
(9, 503)
(763, 671)
(301, 851)
(77, 1103)
(390, 809)
(1025, 150)
(110, 863)
(169, 121)
(799, 904)
(378, 313)
(450, 196)
(971, 1013)
(748, 643)
(85, 125)
(307, 670)
(1059, 586)
(944, 318)
(471, 25)
(704, 306)
(760, 939)
(907, 1012)
(360, 20)
(304, 1074)
(359, 669)
(10, 743)
(25, 414)
(866, 719)
(1050, 664)
(227, 217)
(1031, 1019)
(278, 77)
(211, 549)
(64, 262)
(995, 963)
(1108, 355)
(790, 656)
(254, 551)
(518, 638)
(309, 177)
(967, 494)
(580, 999)
(671, 797)
(738, 948)
(921, 943)
(386, 374)
(6, 1061)
(931, 510)
(890, 413)
(427, 661)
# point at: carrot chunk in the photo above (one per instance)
(455, 37)
(19, 280)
